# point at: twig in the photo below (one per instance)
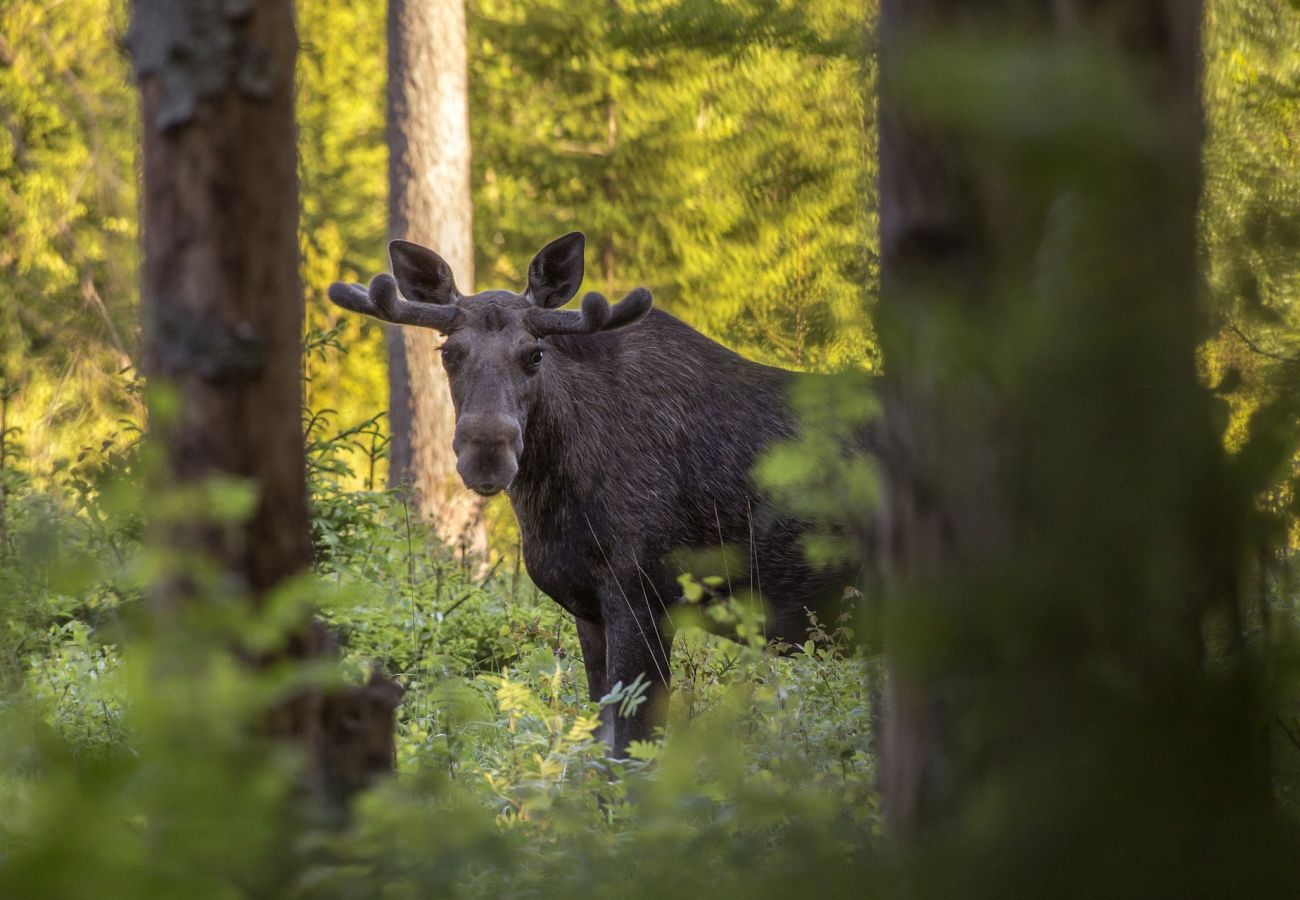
(1260, 350)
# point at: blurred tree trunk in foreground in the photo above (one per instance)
(1064, 537)
(222, 315)
(429, 203)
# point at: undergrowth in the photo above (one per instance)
(128, 766)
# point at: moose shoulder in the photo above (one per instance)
(622, 436)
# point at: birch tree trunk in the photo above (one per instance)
(430, 204)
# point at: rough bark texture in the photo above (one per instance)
(429, 204)
(1011, 290)
(222, 307)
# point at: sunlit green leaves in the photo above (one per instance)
(67, 236)
(726, 166)
(828, 475)
(1251, 211)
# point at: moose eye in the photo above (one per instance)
(451, 357)
(533, 359)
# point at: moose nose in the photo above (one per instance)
(487, 449)
(487, 430)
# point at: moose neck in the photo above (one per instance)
(619, 415)
(563, 436)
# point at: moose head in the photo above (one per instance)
(496, 347)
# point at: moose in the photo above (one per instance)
(622, 437)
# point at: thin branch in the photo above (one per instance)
(1280, 357)
(92, 297)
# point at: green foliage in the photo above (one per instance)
(728, 168)
(1252, 217)
(1251, 234)
(129, 761)
(67, 225)
(825, 476)
(343, 180)
(1251, 231)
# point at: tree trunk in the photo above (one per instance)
(222, 306)
(430, 204)
(1056, 518)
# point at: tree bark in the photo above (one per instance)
(1053, 465)
(220, 239)
(222, 313)
(430, 204)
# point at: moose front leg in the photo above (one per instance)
(638, 643)
(591, 637)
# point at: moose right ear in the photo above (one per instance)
(423, 275)
(556, 271)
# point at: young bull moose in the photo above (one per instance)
(621, 436)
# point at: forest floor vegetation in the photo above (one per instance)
(128, 752)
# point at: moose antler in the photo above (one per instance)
(596, 315)
(382, 302)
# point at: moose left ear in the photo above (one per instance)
(423, 275)
(556, 271)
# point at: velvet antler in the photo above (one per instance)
(382, 302)
(596, 315)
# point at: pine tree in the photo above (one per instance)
(722, 156)
(1064, 527)
(220, 229)
(429, 203)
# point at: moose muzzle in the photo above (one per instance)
(487, 449)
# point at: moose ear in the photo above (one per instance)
(423, 275)
(556, 271)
